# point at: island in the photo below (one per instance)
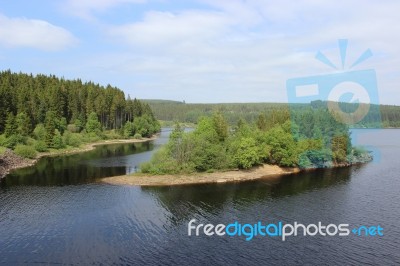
(215, 152)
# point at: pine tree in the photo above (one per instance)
(93, 125)
(23, 124)
(11, 126)
(50, 126)
(57, 140)
(262, 122)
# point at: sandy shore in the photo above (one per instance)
(17, 162)
(264, 171)
(92, 146)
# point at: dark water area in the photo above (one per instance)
(88, 167)
(71, 219)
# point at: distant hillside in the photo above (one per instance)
(159, 101)
(383, 115)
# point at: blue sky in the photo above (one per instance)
(199, 51)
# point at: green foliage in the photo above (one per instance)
(62, 125)
(11, 141)
(320, 141)
(339, 148)
(93, 125)
(220, 125)
(262, 122)
(245, 153)
(2, 150)
(91, 137)
(27, 101)
(315, 159)
(359, 155)
(3, 140)
(50, 126)
(11, 125)
(283, 147)
(40, 132)
(58, 142)
(275, 113)
(112, 134)
(129, 129)
(161, 163)
(137, 136)
(79, 125)
(40, 146)
(200, 150)
(73, 128)
(146, 125)
(75, 140)
(25, 151)
(22, 124)
(72, 139)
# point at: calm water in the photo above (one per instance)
(55, 213)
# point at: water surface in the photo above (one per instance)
(69, 219)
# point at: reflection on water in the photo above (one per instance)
(81, 168)
(95, 223)
(103, 161)
(179, 200)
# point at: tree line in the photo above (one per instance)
(379, 115)
(49, 112)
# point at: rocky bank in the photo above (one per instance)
(9, 161)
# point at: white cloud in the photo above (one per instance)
(254, 46)
(86, 8)
(23, 32)
(166, 28)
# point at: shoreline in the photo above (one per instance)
(265, 171)
(9, 165)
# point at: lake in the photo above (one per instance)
(57, 212)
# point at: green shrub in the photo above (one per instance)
(137, 136)
(245, 153)
(75, 140)
(91, 137)
(129, 129)
(161, 163)
(72, 128)
(30, 141)
(93, 125)
(57, 140)
(39, 132)
(40, 146)
(11, 141)
(3, 140)
(112, 134)
(25, 151)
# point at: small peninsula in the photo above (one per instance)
(215, 152)
(260, 172)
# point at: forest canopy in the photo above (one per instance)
(50, 112)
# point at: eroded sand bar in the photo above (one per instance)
(264, 171)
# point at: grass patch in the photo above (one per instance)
(25, 151)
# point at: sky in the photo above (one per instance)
(201, 51)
